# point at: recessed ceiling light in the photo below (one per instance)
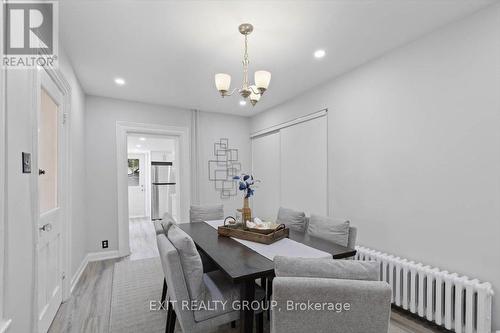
(319, 54)
(119, 81)
(243, 102)
(138, 146)
(142, 139)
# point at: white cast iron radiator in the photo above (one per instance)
(449, 300)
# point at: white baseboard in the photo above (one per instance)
(92, 256)
(78, 274)
(104, 255)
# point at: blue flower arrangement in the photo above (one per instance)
(246, 183)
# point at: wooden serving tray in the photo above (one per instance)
(253, 236)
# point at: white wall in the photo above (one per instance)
(19, 220)
(3, 144)
(414, 146)
(101, 117)
(213, 127)
(19, 217)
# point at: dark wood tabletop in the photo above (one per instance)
(241, 263)
(338, 251)
(235, 259)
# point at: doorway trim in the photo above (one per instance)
(123, 129)
(56, 77)
(4, 322)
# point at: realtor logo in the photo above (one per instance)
(30, 33)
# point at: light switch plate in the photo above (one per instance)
(26, 157)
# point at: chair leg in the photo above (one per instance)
(164, 291)
(172, 321)
(233, 324)
(260, 322)
(269, 292)
(169, 317)
(167, 326)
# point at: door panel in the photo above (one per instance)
(266, 168)
(304, 166)
(136, 193)
(48, 154)
(50, 162)
(292, 166)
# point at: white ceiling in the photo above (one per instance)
(169, 51)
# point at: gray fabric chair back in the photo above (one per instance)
(161, 226)
(177, 288)
(364, 306)
(329, 228)
(206, 213)
(293, 219)
(353, 306)
(158, 227)
(353, 234)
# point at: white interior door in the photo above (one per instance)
(292, 165)
(304, 180)
(51, 165)
(266, 168)
(136, 184)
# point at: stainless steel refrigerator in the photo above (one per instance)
(163, 187)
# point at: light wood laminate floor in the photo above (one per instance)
(88, 309)
(142, 239)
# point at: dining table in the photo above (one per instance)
(243, 265)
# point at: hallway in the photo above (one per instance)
(142, 239)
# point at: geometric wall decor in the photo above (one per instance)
(223, 168)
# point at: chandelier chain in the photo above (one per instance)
(245, 64)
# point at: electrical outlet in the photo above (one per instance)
(105, 244)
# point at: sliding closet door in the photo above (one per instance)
(304, 166)
(266, 167)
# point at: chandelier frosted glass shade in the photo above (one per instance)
(222, 82)
(262, 78)
(254, 97)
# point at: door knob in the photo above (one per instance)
(46, 227)
(41, 172)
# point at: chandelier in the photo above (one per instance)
(261, 78)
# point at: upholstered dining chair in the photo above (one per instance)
(293, 219)
(166, 220)
(356, 301)
(334, 229)
(202, 213)
(188, 284)
(161, 227)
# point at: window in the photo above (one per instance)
(133, 172)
